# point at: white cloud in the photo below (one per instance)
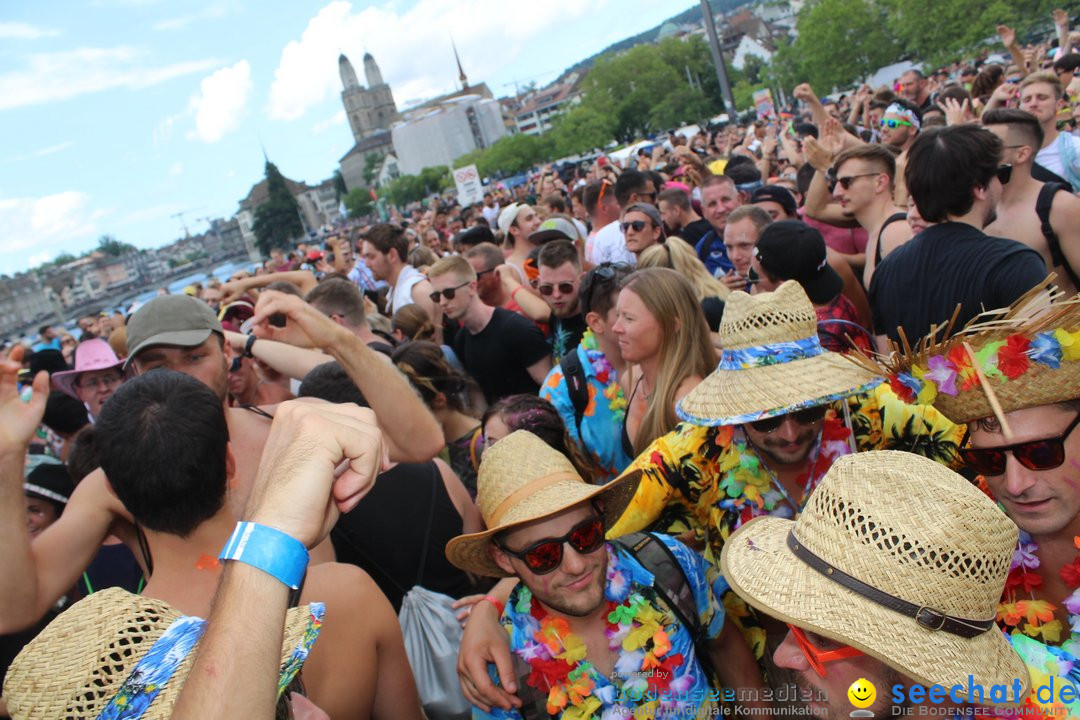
(176, 169)
(52, 77)
(53, 221)
(412, 47)
(24, 31)
(334, 120)
(50, 150)
(178, 23)
(39, 259)
(221, 102)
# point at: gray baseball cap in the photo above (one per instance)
(178, 320)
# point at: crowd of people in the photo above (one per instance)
(752, 422)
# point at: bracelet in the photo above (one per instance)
(495, 601)
(515, 291)
(248, 344)
(272, 551)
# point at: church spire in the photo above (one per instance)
(461, 71)
(348, 75)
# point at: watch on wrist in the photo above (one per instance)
(248, 345)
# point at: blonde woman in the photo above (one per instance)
(663, 336)
(677, 254)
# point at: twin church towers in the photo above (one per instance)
(370, 109)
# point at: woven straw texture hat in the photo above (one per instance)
(522, 479)
(908, 527)
(79, 662)
(1027, 361)
(772, 363)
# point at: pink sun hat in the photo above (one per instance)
(89, 356)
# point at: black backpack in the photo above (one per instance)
(671, 587)
(577, 385)
(1042, 208)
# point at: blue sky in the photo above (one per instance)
(117, 114)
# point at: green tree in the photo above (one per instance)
(580, 130)
(339, 185)
(277, 219)
(111, 246)
(358, 202)
(839, 42)
(371, 166)
(411, 188)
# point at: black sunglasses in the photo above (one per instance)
(846, 181)
(1044, 454)
(809, 416)
(448, 292)
(1004, 173)
(546, 555)
(479, 275)
(564, 287)
(637, 225)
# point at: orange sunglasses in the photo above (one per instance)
(818, 656)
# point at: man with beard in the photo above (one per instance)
(546, 528)
(759, 434)
(955, 177)
(859, 604)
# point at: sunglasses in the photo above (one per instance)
(846, 181)
(1034, 455)
(565, 288)
(809, 416)
(479, 275)
(637, 225)
(892, 123)
(546, 555)
(237, 362)
(1004, 173)
(819, 650)
(448, 292)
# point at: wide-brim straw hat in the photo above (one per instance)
(772, 363)
(905, 526)
(90, 355)
(77, 664)
(522, 479)
(1029, 355)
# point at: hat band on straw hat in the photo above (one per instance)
(927, 617)
(525, 491)
(770, 354)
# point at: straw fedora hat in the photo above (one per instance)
(91, 355)
(77, 664)
(911, 532)
(1026, 361)
(772, 363)
(522, 479)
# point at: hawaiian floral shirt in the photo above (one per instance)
(656, 674)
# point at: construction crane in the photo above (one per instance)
(180, 215)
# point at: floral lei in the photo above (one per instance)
(1035, 618)
(605, 374)
(1002, 360)
(556, 656)
(747, 485)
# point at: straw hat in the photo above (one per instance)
(80, 661)
(913, 531)
(1027, 362)
(522, 479)
(91, 355)
(772, 363)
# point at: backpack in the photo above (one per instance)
(673, 590)
(1042, 208)
(577, 385)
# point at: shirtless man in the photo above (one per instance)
(181, 333)
(1017, 218)
(865, 183)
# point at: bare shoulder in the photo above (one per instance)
(1065, 211)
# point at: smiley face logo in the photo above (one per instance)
(862, 693)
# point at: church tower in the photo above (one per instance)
(369, 109)
(348, 75)
(371, 71)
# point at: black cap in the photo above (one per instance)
(49, 481)
(777, 194)
(791, 250)
(49, 360)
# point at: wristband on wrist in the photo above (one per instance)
(248, 344)
(272, 551)
(515, 291)
(495, 601)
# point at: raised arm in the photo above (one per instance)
(303, 279)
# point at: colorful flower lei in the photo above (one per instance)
(606, 375)
(1035, 618)
(634, 625)
(1002, 360)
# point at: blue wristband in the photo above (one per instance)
(270, 550)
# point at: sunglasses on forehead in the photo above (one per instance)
(1045, 454)
(545, 556)
(809, 416)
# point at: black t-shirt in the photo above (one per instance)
(384, 533)
(713, 307)
(565, 335)
(920, 283)
(499, 356)
(694, 231)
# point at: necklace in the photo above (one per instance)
(1032, 617)
(606, 375)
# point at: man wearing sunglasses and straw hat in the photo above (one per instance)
(594, 625)
(760, 433)
(1015, 383)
